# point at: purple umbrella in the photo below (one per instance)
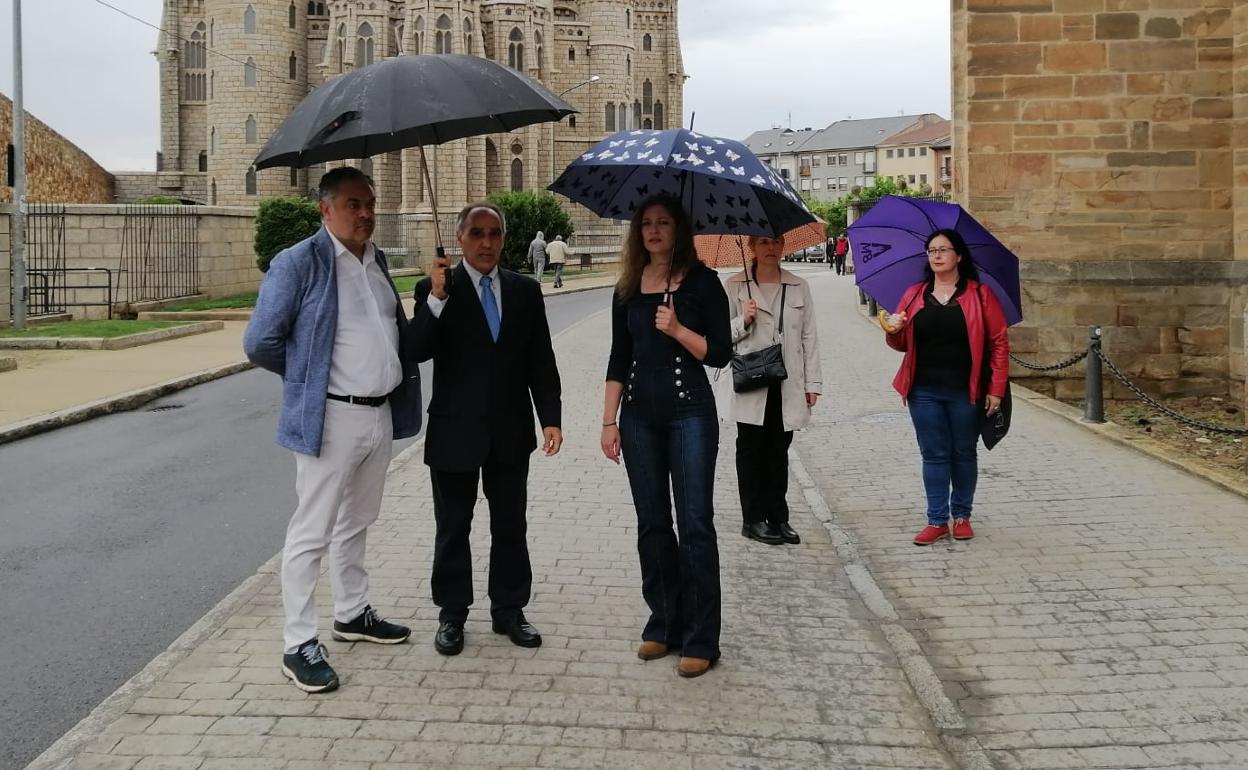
(889, 256)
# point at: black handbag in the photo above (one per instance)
(761, 368)
(992, 428)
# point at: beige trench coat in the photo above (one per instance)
(800, 344)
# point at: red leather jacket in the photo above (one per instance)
(979, 315)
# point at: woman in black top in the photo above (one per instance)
(669, 318)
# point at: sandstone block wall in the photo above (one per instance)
(1095, 137)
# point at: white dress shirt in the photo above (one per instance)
(436, 305)
(365, 360)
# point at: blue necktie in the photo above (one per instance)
(490, 306)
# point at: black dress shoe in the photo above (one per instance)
(762, 532)
(449, 640)
(520, 631)
(787, 534)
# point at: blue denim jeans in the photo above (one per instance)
(679, 570)
(947, 426)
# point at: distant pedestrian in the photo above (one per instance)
(557, 251)
(944, 325)
(841, 249)
(770, 305)
(329, 321)
(537, 255)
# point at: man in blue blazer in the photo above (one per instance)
(329, 321)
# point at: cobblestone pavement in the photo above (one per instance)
(807, 680)
(1099, 619)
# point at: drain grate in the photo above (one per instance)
(166, 407)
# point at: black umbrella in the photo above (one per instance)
(409, 101)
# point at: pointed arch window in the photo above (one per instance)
(517, 175)
(342, 47)
(647, 42)
(249, 130)
(636, 114)
(610, 117)
(658, 115)
(212, 198)
(212, 85)
(249, 20)
(364, 45)
(647, 123)
(628, 64)
(647, 97)
(623, 116)
(249, 181)
(571, 54)
(442, 36)
(571, 121)
(290, 16)
(249, 73)
(468, 36)
(194, 54)
(628, 19)
(515, 49)
(212, 140)
(537, 40)
(212, 32)
(294, 65)
(418, 44)
(203, 160)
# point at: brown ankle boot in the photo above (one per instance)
(652, 650)
(692, 667)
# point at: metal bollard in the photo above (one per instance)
(1093, 395)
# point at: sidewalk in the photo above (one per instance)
(806, 681)
(50, 382)
(1098, 620)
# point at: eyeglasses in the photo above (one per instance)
(940, 250)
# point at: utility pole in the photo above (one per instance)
(18, 220)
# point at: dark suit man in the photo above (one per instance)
(487, 334)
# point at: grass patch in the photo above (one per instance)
(233, 302)
(405, 284)
(90, 329)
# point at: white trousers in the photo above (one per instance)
(339, 497)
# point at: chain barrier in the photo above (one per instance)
(1152, 402)
(1052, 367)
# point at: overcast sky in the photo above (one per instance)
(90, 73)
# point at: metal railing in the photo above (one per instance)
(159, 253)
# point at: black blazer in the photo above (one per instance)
(484, 392)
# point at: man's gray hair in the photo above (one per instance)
(558, 237)
(461, 219)
(334, 178)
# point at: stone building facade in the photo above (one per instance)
(57, 170)
(235, 68)
(1106, 141)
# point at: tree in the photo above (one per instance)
(281, 223)
(527, 213)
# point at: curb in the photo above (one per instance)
(119, 403)
(223, 314)
(109, 343)
(1112, 431)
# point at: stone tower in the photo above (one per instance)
(235, 68)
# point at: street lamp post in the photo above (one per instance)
(18, 170)
(592, 79)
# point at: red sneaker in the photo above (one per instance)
(931, 534)
(962, 529)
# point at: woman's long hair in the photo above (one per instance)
(635, 257)
(966, 266)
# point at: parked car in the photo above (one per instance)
(809, 254)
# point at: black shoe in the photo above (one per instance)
(787, 534)
(369, 627)
(308, 668)
(520, 631)
(762, 532)
(449, 640)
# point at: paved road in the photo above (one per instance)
(120, 533)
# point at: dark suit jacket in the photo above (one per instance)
(484, 392)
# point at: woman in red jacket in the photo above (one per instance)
(941, 326)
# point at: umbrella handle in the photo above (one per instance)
(440, 250)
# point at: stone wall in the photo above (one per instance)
(94, 237)
(56, 169)
(1094, 137)
(138, 186)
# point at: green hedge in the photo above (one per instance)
(281, 223)
(528, 212)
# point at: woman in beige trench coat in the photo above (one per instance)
(766, 418)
